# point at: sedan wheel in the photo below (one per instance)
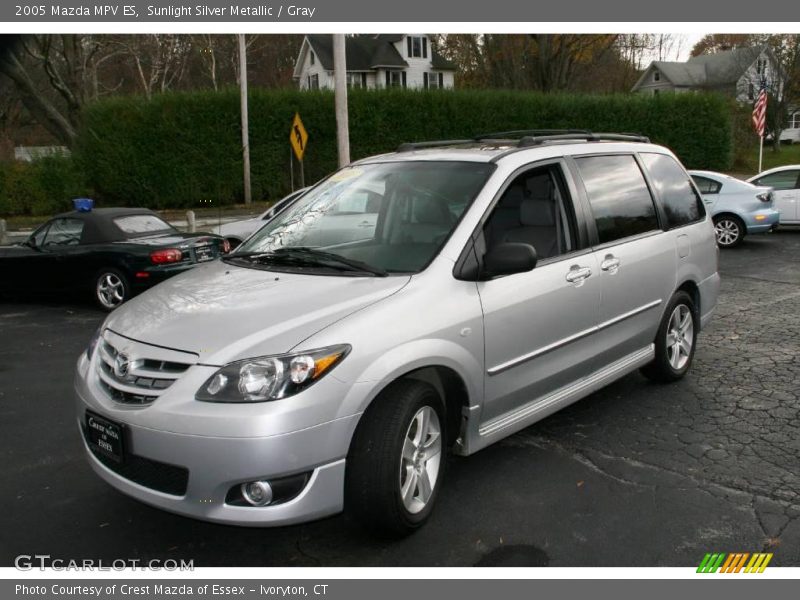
(729, 231)
(111, 289)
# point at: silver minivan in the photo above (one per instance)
(490, 283)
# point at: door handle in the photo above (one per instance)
(610, 263)
(578, 274)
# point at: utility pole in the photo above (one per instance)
(340, 98)
(245, 120)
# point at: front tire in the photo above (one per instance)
(397, 459)
(729, 230)
(675, 341)
(111, 288)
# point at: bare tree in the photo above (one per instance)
(55, 76)
(159, 60)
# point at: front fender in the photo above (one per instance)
(411, 356)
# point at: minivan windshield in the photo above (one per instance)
(370, 219)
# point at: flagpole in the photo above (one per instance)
(760, 154)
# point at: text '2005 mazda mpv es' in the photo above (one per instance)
(437, 298)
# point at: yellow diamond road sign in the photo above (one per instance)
(298, 137)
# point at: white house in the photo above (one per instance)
(374, 61)
(737, 73)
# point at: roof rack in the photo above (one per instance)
(524, 138)
(519, 133)
(530, 140)
(411, 146)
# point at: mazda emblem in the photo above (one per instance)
(121, 365)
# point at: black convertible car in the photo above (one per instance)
(111, 252)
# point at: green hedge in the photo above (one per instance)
(180, 149)
(43, 187)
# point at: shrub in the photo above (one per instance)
(42, 187)
(179, 149)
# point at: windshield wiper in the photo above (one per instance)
(306, 255)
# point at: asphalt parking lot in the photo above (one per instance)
(636, 475)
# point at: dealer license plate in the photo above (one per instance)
(104, 437)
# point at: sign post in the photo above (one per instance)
(245, 119)
(298, 138)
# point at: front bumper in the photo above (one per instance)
(211, 465)
(763, 220)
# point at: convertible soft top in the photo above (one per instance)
(99, 225)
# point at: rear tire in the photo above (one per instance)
(675, 341)
(396, 460)
(729, 229)
(111, 288)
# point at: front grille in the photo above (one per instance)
(131, 379)
(162, 477)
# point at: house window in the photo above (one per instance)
(311, 57)
(417, 46)
(656, 76)
(313, 82)
(751, 91)
(357, 80)
(761, 66)
(395, 79)
(794, 121)
(433, 81)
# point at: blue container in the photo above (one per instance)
(83, 204)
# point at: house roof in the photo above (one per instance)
(366, 52)
(706, 70)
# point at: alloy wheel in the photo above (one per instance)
(110, 290)
(680, 337)
(421, 459)
(727, 231)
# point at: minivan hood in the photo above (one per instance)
(224, 312)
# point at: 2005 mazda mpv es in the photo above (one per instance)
(435, 299)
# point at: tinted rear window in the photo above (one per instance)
(706, 185)
(681, 203)
(619, 196)
(138, 224)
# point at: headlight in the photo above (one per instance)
(270, 377)
(93, 343)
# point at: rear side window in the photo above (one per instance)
(138, 224)
(619, 197)
(674, 190)
(782, 180)
(706, 185)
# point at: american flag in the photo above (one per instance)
(760, 109)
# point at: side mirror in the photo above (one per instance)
(509, 258)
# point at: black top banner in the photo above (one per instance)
(444, 11)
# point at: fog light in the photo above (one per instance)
(257, 493)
